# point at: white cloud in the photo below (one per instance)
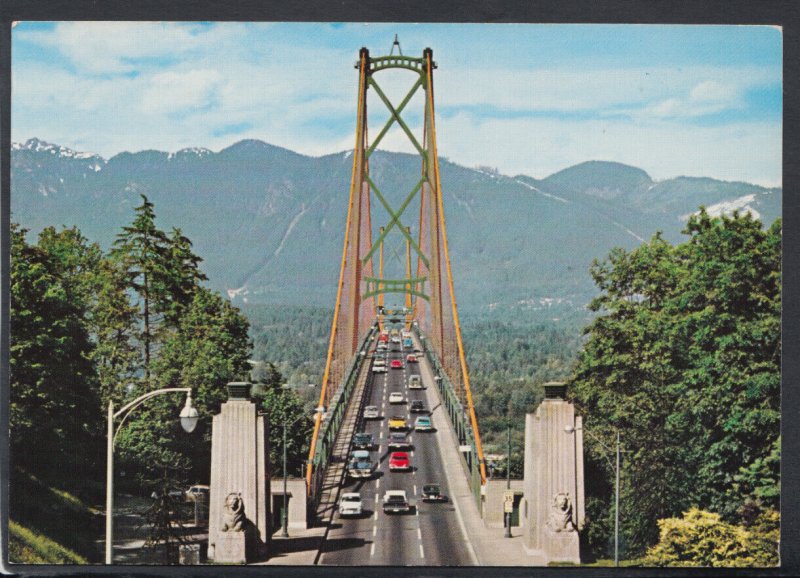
(171, 91)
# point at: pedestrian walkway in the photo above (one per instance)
(490, 546)
(335, 470)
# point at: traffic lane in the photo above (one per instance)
(393, 539)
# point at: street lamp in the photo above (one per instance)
(508, 481)
(188, 417)
(571, 429)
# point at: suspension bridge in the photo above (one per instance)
(400, 314)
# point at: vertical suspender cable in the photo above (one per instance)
(322, 400)
(462, 359)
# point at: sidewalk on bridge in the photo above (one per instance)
(299, 549)
(489, 545)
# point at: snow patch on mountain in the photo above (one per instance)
(548, 195)
(741, 204)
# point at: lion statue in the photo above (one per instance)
(561, 514)
(233, 519)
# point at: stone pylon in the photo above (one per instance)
(239, 494)
(553, 486)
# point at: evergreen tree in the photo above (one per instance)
(142, 249)
(54, 407)
(98, 284)
(684, 360)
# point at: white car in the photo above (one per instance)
(395, 501)
(379, 367)
(414, 382)
(371, 412)
(350, 504)
(396, 397)
(395, 339)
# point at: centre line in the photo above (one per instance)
(421, 551)
(415, 489)
(378, 485)
(419, 534)
(376, 498)
(372, 549)
(376, 511)
(375, 530)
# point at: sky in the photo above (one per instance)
(522, 98)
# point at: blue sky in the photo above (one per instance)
(531, 99)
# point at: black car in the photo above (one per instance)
(433, 493)
(417, 406)
(362, 441)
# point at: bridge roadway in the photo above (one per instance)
(431, 534)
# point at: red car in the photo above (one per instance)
(399, 461)
(411, 358)
(397, 364)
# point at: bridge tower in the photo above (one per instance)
(428, 294)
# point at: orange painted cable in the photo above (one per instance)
(318, 419)
(462, 359)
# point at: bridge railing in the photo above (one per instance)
(334, 416)
(458, 417)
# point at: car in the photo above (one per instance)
(423, 423)
(379, 368)
(395, 339)
(382, 346)
(399, 461)
(371, 412)
(396, 397)
(395, 501)
(397, 364)
(398, 440)
(414, 382)
(176, 494)
(197, 493)
(350, 504)
(362, 441)
(417, 406)
(360, 465)
(433, 493)
(407, 343)
(397, 422)
(379, 360)
(411, 358)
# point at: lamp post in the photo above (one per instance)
(508, 481)
(571, 429)
(188, 417)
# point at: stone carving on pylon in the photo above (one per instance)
(233, 519)
(561, 514)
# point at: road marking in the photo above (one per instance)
(372, 549)
(417, 512)
(415, 489)
(421, 551)
(378, 485)
(375, 530)
(376, 497)
(376, 512)
(419, 534)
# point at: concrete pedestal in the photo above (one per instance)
(554, 508)
(239, 469)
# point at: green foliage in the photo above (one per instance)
(27, 547)
(684, 360)
(57, 515)
(702, 538)
(163, 518)
(54, 403)
(209, 348)
(283, 406)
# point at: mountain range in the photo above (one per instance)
(269, 222)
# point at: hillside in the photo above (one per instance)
(269, 222)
